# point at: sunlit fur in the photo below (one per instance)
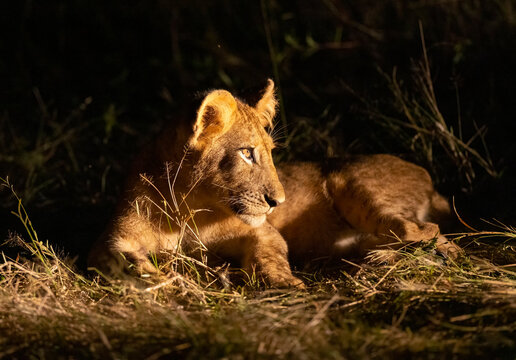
(211, 197)
(231, 196)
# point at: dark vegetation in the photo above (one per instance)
(84, 84)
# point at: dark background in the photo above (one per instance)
(83, 84)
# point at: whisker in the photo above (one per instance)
(278, 133)
(224, 187)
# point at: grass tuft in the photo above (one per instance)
(419, 125)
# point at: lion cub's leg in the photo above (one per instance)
(266, 253)
(130, 241)
(388, 226)
(134, 253)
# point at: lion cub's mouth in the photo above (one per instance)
(253, 220)
(250, 217)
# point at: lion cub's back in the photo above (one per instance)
(386, 186)
(389, 178)
(385, 179)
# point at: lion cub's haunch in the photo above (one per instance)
(214, 185)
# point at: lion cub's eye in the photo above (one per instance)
(247, 155)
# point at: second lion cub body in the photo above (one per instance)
(214, 186)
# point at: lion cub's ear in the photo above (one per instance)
(266, 106)
(214, 117)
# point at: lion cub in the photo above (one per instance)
(214, 185)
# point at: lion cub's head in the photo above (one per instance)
(234, 152)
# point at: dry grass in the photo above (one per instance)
(422, 305)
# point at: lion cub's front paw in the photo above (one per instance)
(297, 283)
(448, 249)
(285, 281)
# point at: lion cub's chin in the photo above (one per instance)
(253, 220)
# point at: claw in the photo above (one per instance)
(448, 249)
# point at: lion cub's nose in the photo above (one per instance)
(273, 202)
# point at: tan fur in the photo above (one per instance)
(354, 206)
(361, 203)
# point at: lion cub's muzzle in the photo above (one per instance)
(253, 207)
